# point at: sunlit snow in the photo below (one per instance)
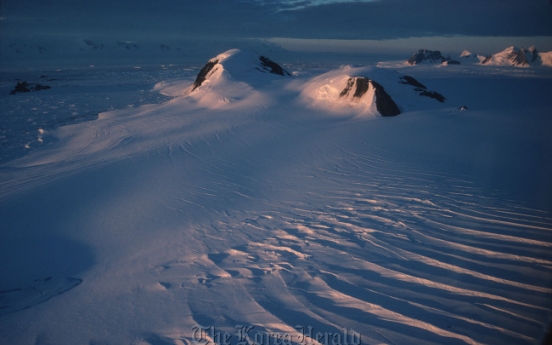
(260, 207)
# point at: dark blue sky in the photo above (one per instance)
(250, 18)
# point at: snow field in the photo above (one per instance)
(246, 202)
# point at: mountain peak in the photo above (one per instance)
(431, 56)
(241, 65)
(358, 87)
(520, 57)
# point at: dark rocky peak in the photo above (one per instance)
(24, 86)
(533, 52)
(431, 56)
(518, 58)
(384, 103)
(359, 86)
(204, 73)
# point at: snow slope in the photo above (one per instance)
(253, 206)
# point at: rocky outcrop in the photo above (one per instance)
(272, 67)
(384, 103)
(431, 56)
(239, 65)
(203, 73)
(359, 86)
(421, 89)
(23, 86)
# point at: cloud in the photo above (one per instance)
(312, 19)
(405, 18)
(291, 5)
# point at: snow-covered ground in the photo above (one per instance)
(264, 208)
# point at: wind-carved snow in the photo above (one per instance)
(273, 211)
(39, 291)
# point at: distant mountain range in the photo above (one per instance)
(89, 50)
(523, 57)
(511, 56)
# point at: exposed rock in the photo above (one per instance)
(518, 58)
(360, 85)
(411, 81)
(273, 66)
(432, 94)
(202, 75)
(450, 62)
(23, 86)
(384, 103)
(239, 65)
(421, 88)
(432, 56)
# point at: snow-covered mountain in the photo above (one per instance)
(521, 57)
(240, 65)
(467, 56)
(236, 75)
(430, 56)
(350, 89)
(465, 53)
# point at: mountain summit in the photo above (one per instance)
(521, 57)
(431, 56)
(239, 64)
(358, 87)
